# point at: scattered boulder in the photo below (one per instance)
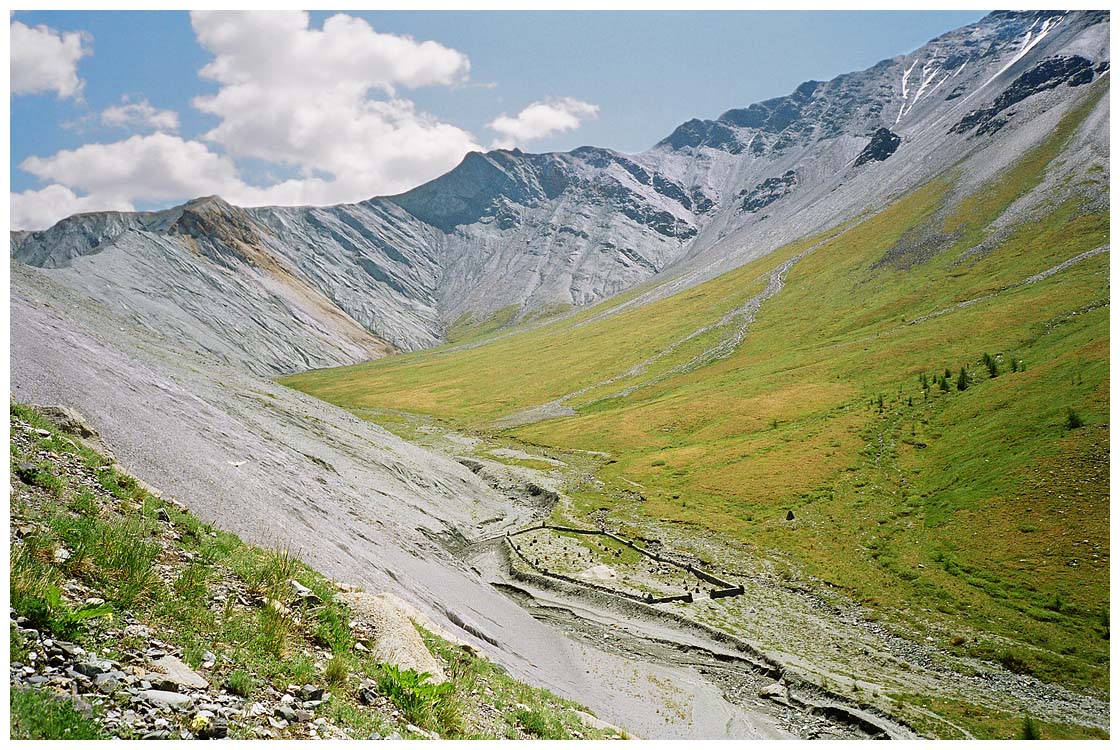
(395, 639)
(26, 472)
(286, 713)
(172, 674)
(92, 666)
(73, 422)
(217, 729)
(167, 698)
(303, 593)
(776, 692)
(68, 420)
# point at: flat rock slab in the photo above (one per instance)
(167, 698)
(171, 671)
(396, 640)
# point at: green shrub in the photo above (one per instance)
(241, 683)
(539, 725)
(1030, 729)
(1073, 420)
(411, 692)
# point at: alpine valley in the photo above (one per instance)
(845, 350)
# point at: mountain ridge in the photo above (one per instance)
(509, 230)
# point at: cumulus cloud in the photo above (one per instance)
(156, 167)
(116, 176)
(39, 209)
(145, 169)
(540, 120)
(43, 60)
(139, 114)
(326, 101)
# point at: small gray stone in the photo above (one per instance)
(92, 666)
(167, 698)
(73, 674)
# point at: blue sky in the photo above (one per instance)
(403, 111)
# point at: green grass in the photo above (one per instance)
(914, 508)
(40, 715)
(539, 724)
(986, 723)
(467, 328)
(473, 678)
(422, 701)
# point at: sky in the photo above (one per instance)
(141, 110)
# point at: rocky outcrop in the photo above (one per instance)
(882, 145)
(768, 191)
(1072, 70)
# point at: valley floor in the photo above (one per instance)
(902, 675)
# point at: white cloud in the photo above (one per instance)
(139, 114)
(540, 120)
(156, 168)
(325, 101)
(145, 169)
(43, 60)
(39, 209)
(151, 168)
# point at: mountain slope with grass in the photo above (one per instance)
(909, 408)
(132, 619)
